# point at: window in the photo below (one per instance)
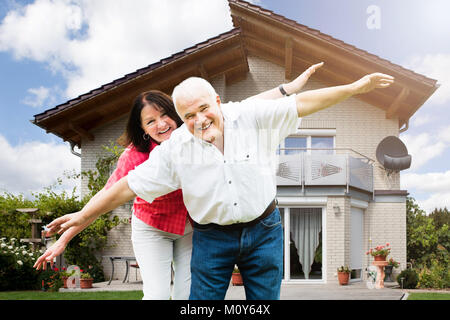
(311, 144)
(295, 142)
(322, 143)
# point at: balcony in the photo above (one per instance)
(324, 167)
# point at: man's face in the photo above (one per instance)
(202, 116)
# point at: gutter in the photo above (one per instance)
(406, 126)
(72, 146)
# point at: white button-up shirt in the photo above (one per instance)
(228, 188)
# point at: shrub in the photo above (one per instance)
(82, 249)
(16, 266)
(410, 279)
(50, 280)
(437, 276)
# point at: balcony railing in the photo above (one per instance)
(324, 167)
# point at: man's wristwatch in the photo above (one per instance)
(283, 92)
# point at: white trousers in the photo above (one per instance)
(155, 252)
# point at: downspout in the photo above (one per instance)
(72, 146)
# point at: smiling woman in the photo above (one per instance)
(152, 117)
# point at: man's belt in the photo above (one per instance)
(238, 226)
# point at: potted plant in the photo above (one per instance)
(380, 252)
(388, 269)
(65, 275)
(86, 280)
(343, 275)
(236, 277)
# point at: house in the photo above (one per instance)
(336, 199)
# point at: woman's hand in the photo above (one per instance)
(63, 223)
(55, 250)
(298, 83)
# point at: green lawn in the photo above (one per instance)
(429, 296)
(40, 295)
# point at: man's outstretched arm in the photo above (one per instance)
(103, 202)
(312, 101)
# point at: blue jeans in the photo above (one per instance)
(256, 250)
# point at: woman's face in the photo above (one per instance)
(157, 124)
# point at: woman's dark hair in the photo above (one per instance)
(158, 100)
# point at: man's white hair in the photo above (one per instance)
(190, 89)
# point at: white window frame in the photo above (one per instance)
(309, 133)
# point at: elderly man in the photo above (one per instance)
(223, 158)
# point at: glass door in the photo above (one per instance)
(303, 243)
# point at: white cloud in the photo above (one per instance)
(444, 135)
(428, 182)
(43, 97)
(94, 42)
(38, 97)
(420, 119)
(436, 66)
(423, 148)
(34, 165)
(435, 184)
(433, 188)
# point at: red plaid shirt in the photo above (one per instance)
(166, 213)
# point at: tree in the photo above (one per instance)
(440, 217)
(427, 239)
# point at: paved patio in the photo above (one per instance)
(353, 291)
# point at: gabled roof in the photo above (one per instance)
(257, 32)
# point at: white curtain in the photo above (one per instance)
(305, 228)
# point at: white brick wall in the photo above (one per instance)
(119, 239)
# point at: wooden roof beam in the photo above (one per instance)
(395, 106)
(202, 71)
(288, 58)
(82, 132)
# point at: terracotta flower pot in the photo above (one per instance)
(236, 279)
(380, 258)
(343, 278)
(65, 282)
(86, 283)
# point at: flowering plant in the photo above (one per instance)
(345, 269)
(393, 263)
(380, 251)
(23, 254)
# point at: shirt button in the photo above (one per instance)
(229, 182)
(235, 204)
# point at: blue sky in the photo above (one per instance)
(53, 50)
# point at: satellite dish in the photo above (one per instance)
(392, 154)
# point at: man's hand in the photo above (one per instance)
(312, 101)
(55, 250)
(297, 84)
(372, 81)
